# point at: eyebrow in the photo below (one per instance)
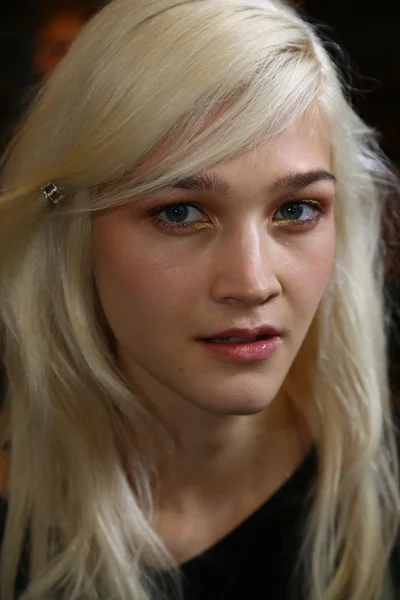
(204, 182)
(211, 182)
(300, 179)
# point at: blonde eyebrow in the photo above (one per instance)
(211, 182)
(300, 180)
(204, 182)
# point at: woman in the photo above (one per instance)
(197, 401)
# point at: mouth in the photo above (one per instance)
(242, 347)
(241, 335)
(237, 340)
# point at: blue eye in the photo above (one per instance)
(181, 217)
(179, 213)
(298, 211)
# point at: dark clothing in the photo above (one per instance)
(258, 558)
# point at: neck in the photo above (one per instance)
(215, 457)
(218, 457)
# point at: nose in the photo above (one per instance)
(245, 268)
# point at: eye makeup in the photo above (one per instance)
(183, 227)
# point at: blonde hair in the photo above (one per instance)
(213, 78)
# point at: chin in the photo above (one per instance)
(237, 395)
(243, 408)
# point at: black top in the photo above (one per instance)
(257, 559)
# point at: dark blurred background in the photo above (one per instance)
(35, 34)
(369, 33)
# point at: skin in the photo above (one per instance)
(162, 288)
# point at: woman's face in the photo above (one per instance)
(247, 243)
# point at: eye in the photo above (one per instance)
(179, 213)
(181, 216)
(301, 211)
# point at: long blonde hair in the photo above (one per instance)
(213, 77)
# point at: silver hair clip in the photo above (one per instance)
(52, 192)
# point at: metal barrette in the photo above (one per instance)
(52, 193)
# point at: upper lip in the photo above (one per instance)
(244, 333)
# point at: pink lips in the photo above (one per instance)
(258, 344)
(239, 332)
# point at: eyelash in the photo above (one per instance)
(193, 225)
(177, 226)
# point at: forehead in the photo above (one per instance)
(303, 147)
(304, 144)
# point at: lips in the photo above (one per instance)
(236, 340)
(233, 340)
(243, 345)
(242, 335)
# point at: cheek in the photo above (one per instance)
(318, 269)
(308, 274)
(135, 279)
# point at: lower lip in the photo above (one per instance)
(247, 352)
